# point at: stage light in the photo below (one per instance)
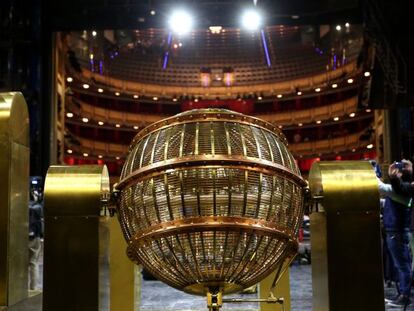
(367, 110)
(100, 123)
(69, 79)
(338, 27)
(347, 25)
(117, 93)
(279, 95)
(300, 124)
(259, 97)
(334, 86)
(370, 146)
(85, 86)
(85, 120)
(174, 99)
(69, 115)
(318, 89)
(136, 127)
(100, 156)
(280, 126)
(180, 22)
(117, 158)
(117, 125)
(350, 80)
(136, 96)
(155, 98)
(336, 119)
(318, 122)
(352, 114)
(85, 154)
(100, 90)
(367, 73)
(251, 20)
(353, 150)
(69, 151)
(94, 33)
(152, 12)
(196, 100)
(215, 29)
(298, 93)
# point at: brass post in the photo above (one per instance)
(76, 239)
(345, 237)
(14, 179)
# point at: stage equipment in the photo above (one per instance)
(14, 203)
(345, 237)
(210, 201)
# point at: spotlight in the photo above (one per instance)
(300, 124)
(259, 97)
(69, 115)
(100, 123)
(334, 86)
(155, 98)
(370, 146)
(352, 114)
(69, 151)
(136, 96)
(85, 86)
(280, 126)
(336, 119)
(318, 89)
(318, 122)
(94, 33)
(298, 93)
(338, 27)
(353, 149)
(85, 120)
(69, 79)
(136, 127)
(251, 20)
(180, 22)
(347, 25)
(117, 93)
(152, 12)
(100, 90)
(117, 158)
(100, 156)
(367, 73)
(85, 154)
(350, 80)
(174, 99)
(367, 110)
(117, 125)
(279, 95)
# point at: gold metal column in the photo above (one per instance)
(14, 180)
(282, 290)
(76, 235)
(345, 236)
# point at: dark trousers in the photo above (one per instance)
(399, 247)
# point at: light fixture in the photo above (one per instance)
(91, 56)
(85, 86)
(100, 156)
(336, 119)
(69, 115)
(196, 100)
(280, 126)
(174, 99)
(215, 29)
(117, 125)
(298, 93)
(300, 124)
(69, 151)
(152, 12)
(180, 22)
(117, 93)
(117, 158)
(367, 73)
(136, 96)
(338, 27)
(334, 86)
(353, 150)
(69, 79)
(370, 146)
(175, 45)
(85, 120)
(94, 33)
(155, 98)
(279, 96)
(100, 90)
(85, 154)
(318, 122)
(350, 80)
(318, 89)
(352, 114)
(136, 127)
(367, 110)
(259, 97)
(347, 25)
(100, 123)
(180, 44)
(251, 20)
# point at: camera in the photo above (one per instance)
(399, 165)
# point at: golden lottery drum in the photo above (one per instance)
(210, 200)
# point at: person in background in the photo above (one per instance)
(397, 221)
(35, 235)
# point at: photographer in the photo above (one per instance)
(397, 223)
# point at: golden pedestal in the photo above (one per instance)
(345, 236)
(14, 212)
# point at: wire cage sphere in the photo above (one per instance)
(210, 198)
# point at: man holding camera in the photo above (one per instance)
(397, 223)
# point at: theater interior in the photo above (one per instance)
(333, 77)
